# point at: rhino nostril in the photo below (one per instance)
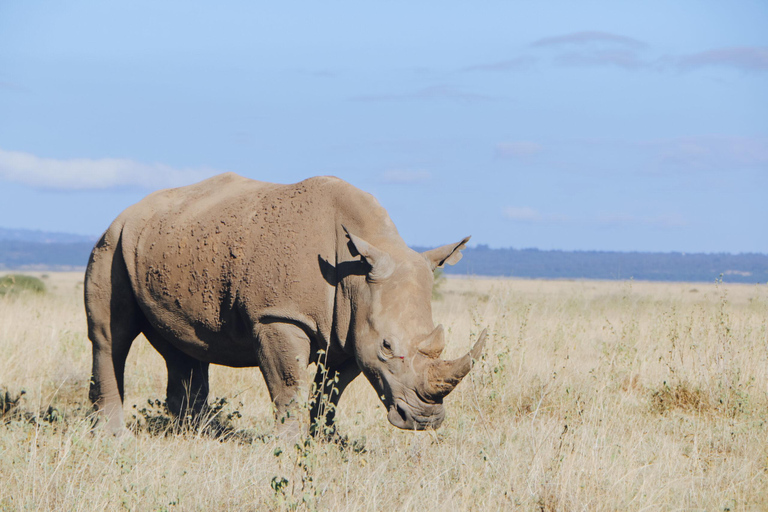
(401, 412)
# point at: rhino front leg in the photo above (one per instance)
(330, 383)
(283, 354)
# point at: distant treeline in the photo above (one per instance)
(484, 261)
(644, 266)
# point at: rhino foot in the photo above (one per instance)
(289, 431)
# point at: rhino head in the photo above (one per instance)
(397, 345)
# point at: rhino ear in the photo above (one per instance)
(449, 254)
(380, 261)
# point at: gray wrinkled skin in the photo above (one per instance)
(239, 272)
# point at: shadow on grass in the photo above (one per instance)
(154, 419)
(213, 422)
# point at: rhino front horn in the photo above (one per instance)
(444, 376)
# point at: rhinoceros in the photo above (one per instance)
(243, 273)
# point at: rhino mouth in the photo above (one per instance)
(402, 416)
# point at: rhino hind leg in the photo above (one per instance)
(113, 323)
(188, 385)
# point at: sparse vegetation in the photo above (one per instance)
(20, 283)
(590, 395)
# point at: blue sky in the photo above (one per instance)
(637, 126)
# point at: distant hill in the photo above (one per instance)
(24, 249)
(44, 237)
(20, 255)
(645, 266)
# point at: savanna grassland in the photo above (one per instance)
(590, 396)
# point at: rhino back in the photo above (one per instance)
(210, 262)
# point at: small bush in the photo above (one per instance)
(9, 404)
(437, 284)
(19, 283)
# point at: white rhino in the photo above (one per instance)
(238, 272)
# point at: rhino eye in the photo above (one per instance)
(386, 353)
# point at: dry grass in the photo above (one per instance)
(590, 396)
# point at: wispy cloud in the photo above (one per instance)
(663, 221)
(521, 148)
(587, 48)
(588, 37)
(11, 86)
(404, 176)
(523, 213)
(436, 92)
(712, 152)
(745, 58)
(594, 48)
(320, 72)
(623, 58)
(529, 215)
(85, 173)
(516, 63)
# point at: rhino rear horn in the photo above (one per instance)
(434, 343)
(444, 376)
(380, 261)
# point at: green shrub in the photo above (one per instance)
(437, 284)
(18, 283)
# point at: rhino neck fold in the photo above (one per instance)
(346, 282)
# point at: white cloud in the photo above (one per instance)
(522, 213)
(518, 148)
(85, 173)
(404, 176)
